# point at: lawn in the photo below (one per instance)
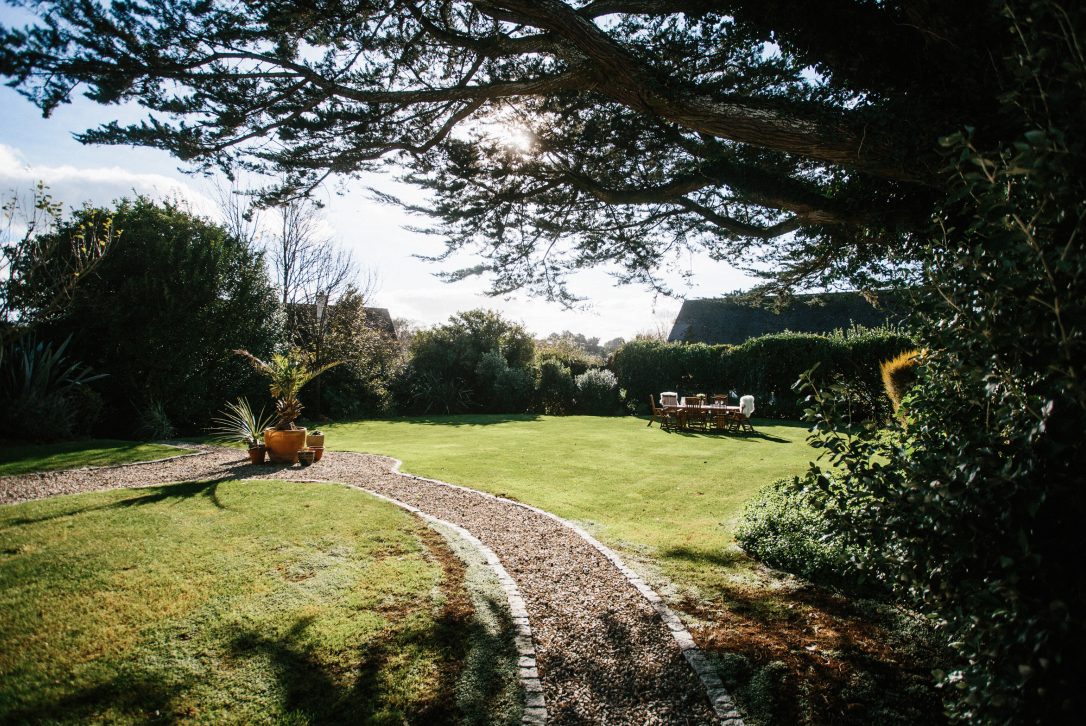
(184, 603)
(667, 499)
(669, 503)
(22, 459)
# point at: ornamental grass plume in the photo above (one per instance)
(899, 375)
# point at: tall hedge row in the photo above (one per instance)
(765, 367)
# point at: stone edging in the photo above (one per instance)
(535, 707)
(721, 701)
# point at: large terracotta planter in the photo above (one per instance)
(283, 446)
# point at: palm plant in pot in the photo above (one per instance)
(239, 423)
(287, 375)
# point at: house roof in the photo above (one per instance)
(729, 320)
(380, 319)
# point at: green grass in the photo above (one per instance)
(231, 602)
(670, 500)
(22, 459)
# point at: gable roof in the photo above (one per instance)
(729, 320)
(379, 319)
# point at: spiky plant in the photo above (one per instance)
(287, 375)
(239, 423)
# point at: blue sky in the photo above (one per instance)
(33, 148)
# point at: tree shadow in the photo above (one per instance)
(719, 557)
(808, 655)
(138, 695)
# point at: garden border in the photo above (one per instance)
(719, 698)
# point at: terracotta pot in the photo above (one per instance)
(283, 446)
(306, 457)
(318, 452)
(314, 440)
(257, 453)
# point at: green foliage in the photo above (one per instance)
(785, 526)
(45, 393)
(455, 367)
(556, 389)
(765, 367)
(240, 423)
(162, 312)
(566, 352)
(371, 360)
(597, 392)
(153, 422)
(27, 458)
(977, 508)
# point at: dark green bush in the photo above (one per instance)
(786, 527)
(452, 366)
(597, 393)
(371, 360)
(977, 508)
(45, 393)
(162, 313)
(556, 391)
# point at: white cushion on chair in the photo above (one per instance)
(746, 405)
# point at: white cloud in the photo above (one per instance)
(99, 185)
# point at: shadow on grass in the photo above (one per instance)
(718, 557)
(807, 655)
(132, 695)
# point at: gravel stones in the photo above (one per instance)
(603, 654)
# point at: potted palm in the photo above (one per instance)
(239, 423)
(287, 375)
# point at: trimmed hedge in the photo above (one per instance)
(764, 367)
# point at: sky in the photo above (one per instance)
(35, 149)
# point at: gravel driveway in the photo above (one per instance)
(604, 655)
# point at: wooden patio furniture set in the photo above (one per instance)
(694, 413)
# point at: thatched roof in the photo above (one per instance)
(728, 320)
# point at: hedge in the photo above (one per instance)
(765, 367)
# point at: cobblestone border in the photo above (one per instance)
(535, 707)
(719, 698)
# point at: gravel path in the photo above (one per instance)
(603, 653)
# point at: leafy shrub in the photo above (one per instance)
(162, 313)
(556, 390)
(371, 360)
(43, 391)
(449, 360)
(565, 352)
(597, 392)
(154, 423)
(785, 526)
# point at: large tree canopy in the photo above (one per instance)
(645, 126)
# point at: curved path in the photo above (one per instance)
(603, 652)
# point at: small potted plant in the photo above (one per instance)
(239, 423)
(315, 441)
(306, 456)
(287, 375)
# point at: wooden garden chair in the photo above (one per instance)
(696, 415)
(666, 418)
(741, 419)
